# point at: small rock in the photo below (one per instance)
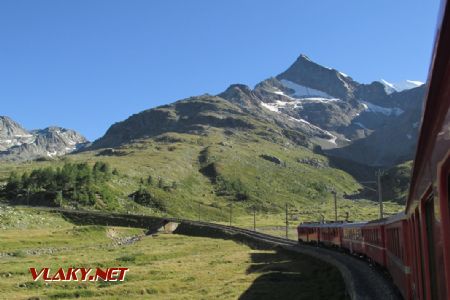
(271, 158)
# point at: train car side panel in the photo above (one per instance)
(373, 235)
(396, 246)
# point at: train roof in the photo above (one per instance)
(332, 224)
(356, 224)
(395, 218)
(388, 220)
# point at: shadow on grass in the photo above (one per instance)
(292, 276)
(284, 275)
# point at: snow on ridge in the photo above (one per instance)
(389, 88)
(301, 91)
(407, 84)
(343, 74)
(305, 57)
(416, 82)
(369, 107)
(400, 86)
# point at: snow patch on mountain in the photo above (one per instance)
(332, 138)
(301, 91)
(370, 107)
(317, 99)
(270, 106)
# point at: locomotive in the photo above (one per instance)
(413, 246)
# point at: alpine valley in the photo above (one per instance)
(293, 138)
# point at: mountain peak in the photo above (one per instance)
(306, 72)
(240, 94)
(304, 57)
(16, 143)
(7, 120)
(10, 128)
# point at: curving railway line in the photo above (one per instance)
(362, 280)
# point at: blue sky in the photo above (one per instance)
(86, 64)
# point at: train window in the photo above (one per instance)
(393, 242)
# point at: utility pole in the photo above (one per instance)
(287, 222)
(380, 195)
(335, 205)
(254, 218)
(231, 212)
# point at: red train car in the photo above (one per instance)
(331, 234)
(308, 232)
(374, 241)
(427, 208)
(352, 238)
(414, 247)
(398, 260)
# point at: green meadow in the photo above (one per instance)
(164, 266)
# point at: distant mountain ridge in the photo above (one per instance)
(375, 124)
(314, 106)
(18, 144)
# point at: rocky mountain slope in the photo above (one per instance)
(18, 144)
(308, 103)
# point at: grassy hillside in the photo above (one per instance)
(396, 182)
(161, 267)
(194, 175)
